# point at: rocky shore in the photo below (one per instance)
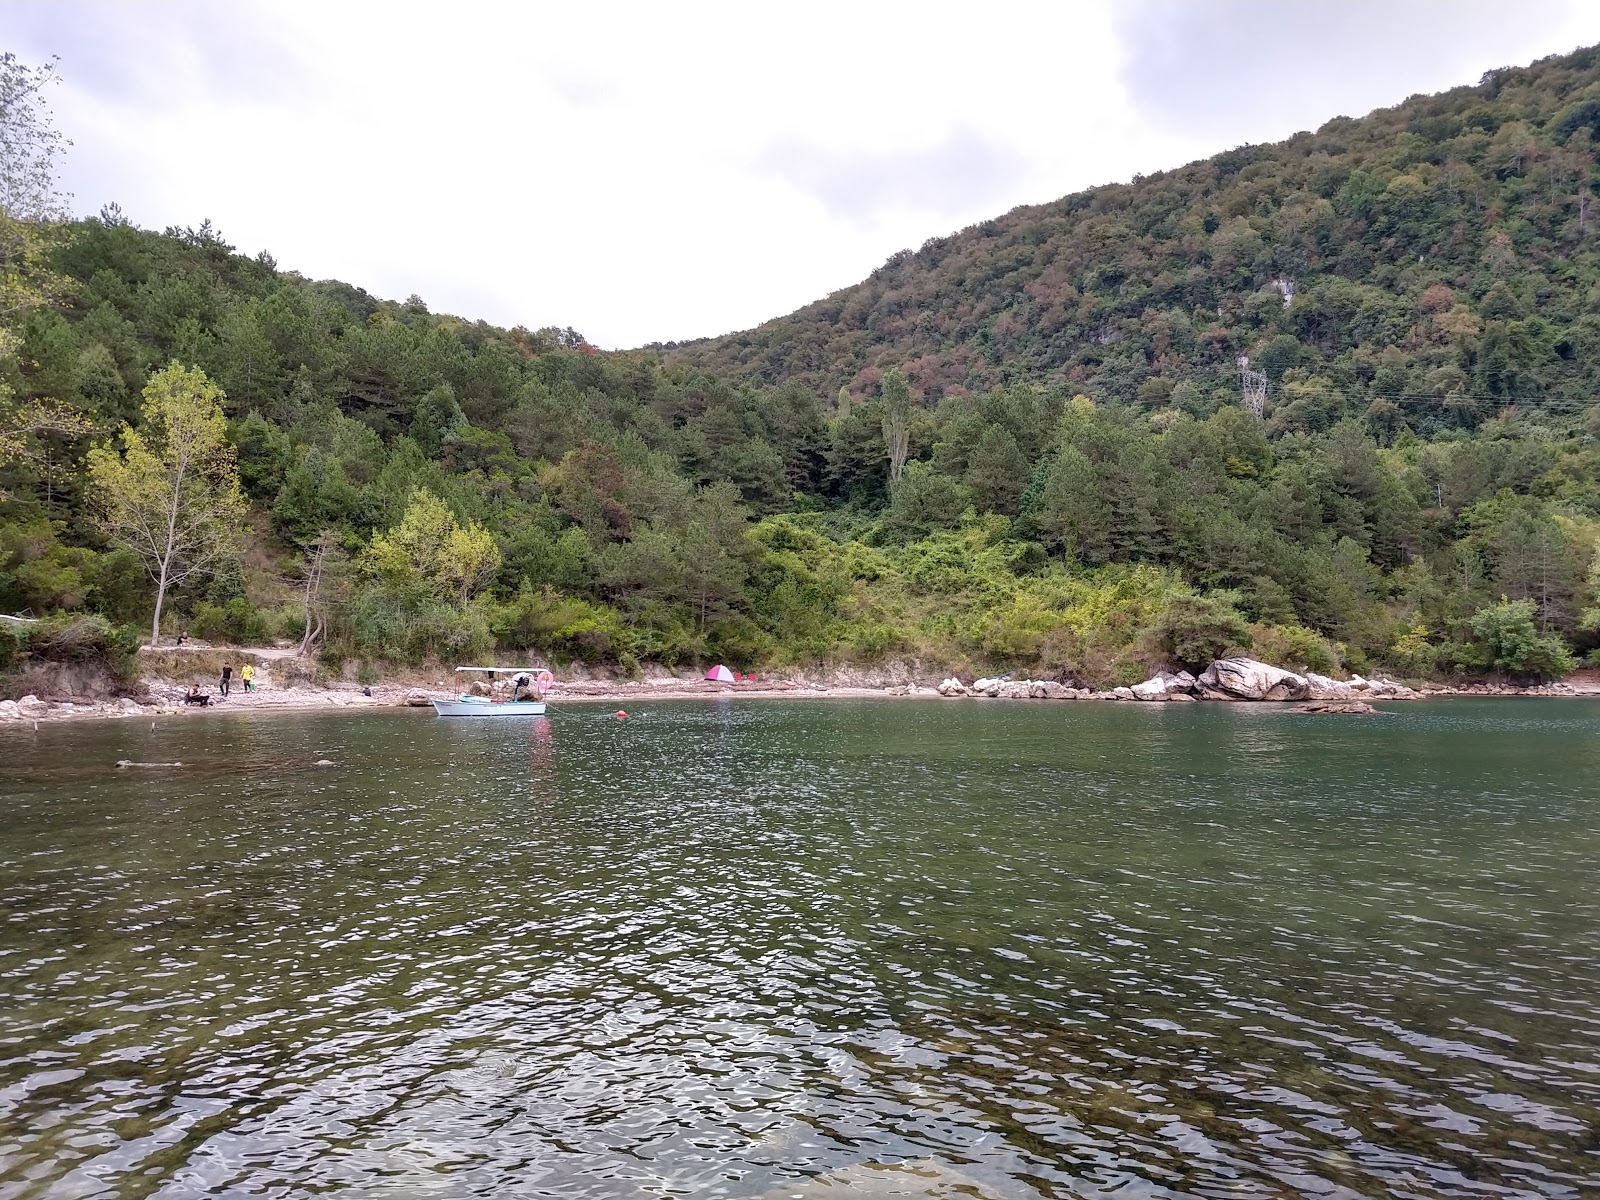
(285, 686)
(1245, 679)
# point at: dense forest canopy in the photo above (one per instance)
(1438, 256)
(1022, 446)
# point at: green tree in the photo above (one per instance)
(429, 551)
(172, 496)
(997, 471)
(30, 207)
(1503, 641)
(715, 552)
(896, 421)
(922, 501)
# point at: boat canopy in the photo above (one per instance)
(505, 670)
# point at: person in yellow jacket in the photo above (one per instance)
(248, 674)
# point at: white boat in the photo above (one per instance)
(482, 706)
(538, 680)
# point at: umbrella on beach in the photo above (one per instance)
(720, 674)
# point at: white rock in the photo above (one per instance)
(32, 706)
(129, 706)
(1320, 687)
(953, 687)
(1015, 691)
(1247, 679)
(10, 710)
(1164, 686)
(1122, 693)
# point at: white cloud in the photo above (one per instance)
(1270, 67)
(651, 172)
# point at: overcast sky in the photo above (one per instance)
(657, 171)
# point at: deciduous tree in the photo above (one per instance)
(172, 495)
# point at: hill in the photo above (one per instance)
(1021, 447)
(1438, 256)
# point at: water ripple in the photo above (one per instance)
(807, 950)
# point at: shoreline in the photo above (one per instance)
(165, 697)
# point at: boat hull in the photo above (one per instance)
(477, 707)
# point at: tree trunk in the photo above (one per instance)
(313, 583)
(161, 595)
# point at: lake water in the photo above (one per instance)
(810, 948)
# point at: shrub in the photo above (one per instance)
(237, 622)
(1193, 631)
(1296, 648)
(398, 625)
(1413, 652)
(566, 628)
(737, 639)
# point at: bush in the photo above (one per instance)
(737, 639)
(1503, 641)
(237, 622)
(1413, 652)
(1296, 648)
(563, 627)
(1194, 631)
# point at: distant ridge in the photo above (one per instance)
(1441, 249)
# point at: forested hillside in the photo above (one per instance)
(1022, 446)
(1436, 259)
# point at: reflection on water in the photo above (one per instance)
(806, 949)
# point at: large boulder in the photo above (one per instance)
(1388, 689)
(1019, 690)
(1247, 679)
(32, 706)
(1320, 687)
(10, 711)
(953, 687)
(416, 699)
(1165, 686)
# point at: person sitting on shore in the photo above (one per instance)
(183, 637)
(196, 696)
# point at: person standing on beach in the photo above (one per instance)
(248, 674)
(227, 675)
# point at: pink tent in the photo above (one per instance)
(720, 674)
